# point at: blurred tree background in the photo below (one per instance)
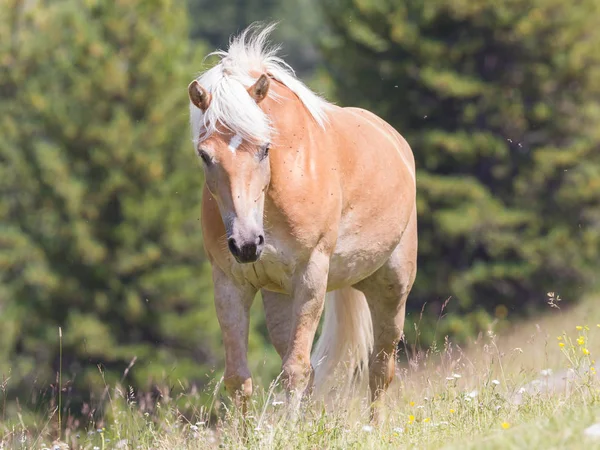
(100, 199)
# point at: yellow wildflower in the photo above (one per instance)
(452, 411)
(579, 327)
(505, 425)
(427, 419)
(581, 340)
(411, 418)
(561, 344)
(585, 351)
(559, 338)
(412, 403)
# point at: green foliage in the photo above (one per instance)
(500, 103)
(100, 199)
(300, 22)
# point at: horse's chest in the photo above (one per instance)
(274, 271)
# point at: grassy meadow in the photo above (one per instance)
(531, 386)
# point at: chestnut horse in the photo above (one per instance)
(303, 200)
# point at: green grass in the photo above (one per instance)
(446, 398)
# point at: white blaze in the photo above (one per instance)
(235, 143)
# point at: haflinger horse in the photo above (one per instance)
(303, 200)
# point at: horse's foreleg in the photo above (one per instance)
(278, 311)
(310, 286)
(233, 303)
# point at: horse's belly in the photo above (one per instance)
(357, 255)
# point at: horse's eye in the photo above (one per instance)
(265, 151)
(205, 157)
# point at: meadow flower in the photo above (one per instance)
(411, 403)
(367, 428)
(546, 372)
(427, 419)
(472, 394)
(496, 382)
(505, 425)
(579, 327)
(455, 375)
(450, 378)
(398, 430)
(559, 338)
(277, 403)
(561, 344)
(593, 431)
(452, 411)
(585, 351)
(411, 418)
(581, 340)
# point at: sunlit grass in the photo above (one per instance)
(532, 387)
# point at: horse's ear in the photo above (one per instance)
(198, 95)
(259, 90)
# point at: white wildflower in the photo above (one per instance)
(593, 431)
(367, 428)
(496, 382)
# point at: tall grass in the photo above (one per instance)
(532, 387)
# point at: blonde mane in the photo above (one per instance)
(227, 82)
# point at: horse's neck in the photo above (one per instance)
(295, 127)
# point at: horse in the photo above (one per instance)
(313, 205)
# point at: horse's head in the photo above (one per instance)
(237, 174)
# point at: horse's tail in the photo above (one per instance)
(341, 356)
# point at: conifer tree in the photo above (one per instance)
(500, 103)
(100, 198)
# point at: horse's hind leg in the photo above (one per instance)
(386, 292)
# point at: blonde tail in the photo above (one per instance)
(345, 344)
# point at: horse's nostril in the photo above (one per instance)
(261, 239)
(233, 248)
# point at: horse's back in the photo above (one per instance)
(381, 126)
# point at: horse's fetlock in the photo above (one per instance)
(238, 385)
(296, 374)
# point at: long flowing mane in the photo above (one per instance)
(231, 106)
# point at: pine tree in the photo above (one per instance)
(100, 198)
(500, 103)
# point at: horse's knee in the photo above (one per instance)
(238, 384)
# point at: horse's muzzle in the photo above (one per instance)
(246, 252)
